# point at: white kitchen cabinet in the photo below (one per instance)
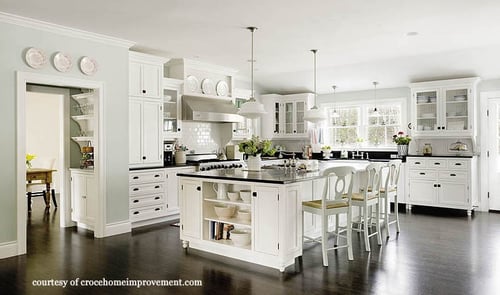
(172, 188)
(191, 210)
(286, 115)
(146, 195)
(83, 198)
(444, 108)
(172, 110)
(145, 75)
(441, 182)
(266, 224)
(145, 133)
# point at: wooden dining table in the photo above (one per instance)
(42, 176)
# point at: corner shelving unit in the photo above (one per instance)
(83, 114)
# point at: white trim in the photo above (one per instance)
(62, 30)
(483, 142)
(140, 57)
(174, 216)
(117, 228)
(201, 66)
(23, 78)
(8, 249)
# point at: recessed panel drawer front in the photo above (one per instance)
(149, 200)
(458, 176)
(147, 177)
(147, 213)
(423, 174)
(458, 164)
(437, 163)
(148, 188)
(417, 163)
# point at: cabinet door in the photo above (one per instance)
(456, 110)
(191, 208)
(78, 192)
(454, 194)
(300, 125)
(135, 79)
(426, 112)
(135, 132)
(422, 192)
(151, 132)
(91, 199)
(277, 118)
(172, 191)
(151, 80)
(266, 219)
(289, 118)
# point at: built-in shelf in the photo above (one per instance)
(82, 117)
(230, 243)
(233, 221)
(229, 202)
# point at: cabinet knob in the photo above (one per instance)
(435, 185)
(157, 209)
(254, 194)
(157, 198)
(453, 174)
(422, 173)
(157, 175)
(143, 91)
(294, 131)
(439, 128)
(437, 163)
(157, 186)
(458, 164)
(439, 185)
(144, 157)
(178, 129)
(234, 130)
(444, 127)
(84, 197)
(198, 188)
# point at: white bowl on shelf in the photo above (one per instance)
(240, 237)
(233, 196)
(245, 215)
(246, 195)
(224, 211)
(460, 97)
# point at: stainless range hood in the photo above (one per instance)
(195, 108)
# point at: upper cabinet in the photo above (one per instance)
(245, 129)
(444, 108)
(286, 115)
(172, 112)
(145, 75)
(202, 79)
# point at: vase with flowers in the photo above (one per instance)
(29, 158)
(254, 148)
(402, 142)
(180, 153)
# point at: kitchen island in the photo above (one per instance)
(274, 225)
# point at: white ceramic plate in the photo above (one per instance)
(62, 62)
(208, 87)
(460, 97)
(222, 89)
(35, 58)
(192, 83)
(88, 66)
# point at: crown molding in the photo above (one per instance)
(62, 30)
(200, 65)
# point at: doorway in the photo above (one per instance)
(493, 153)
(24, 79)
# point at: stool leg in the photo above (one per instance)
(365, 228)
(349, 234)
(387, 207)
(377, 225)
(396, 211)
(29, 201)
(53, 191)
(324, 239)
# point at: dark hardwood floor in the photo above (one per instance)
(437, 252)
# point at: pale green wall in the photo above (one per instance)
(113, 71)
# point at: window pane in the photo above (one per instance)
(343, 129)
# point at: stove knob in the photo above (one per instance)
(220, 166)
(233, 165)
(239, 165)
(202, 169)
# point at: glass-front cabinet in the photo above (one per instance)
(172, 108)
(444, 108)
(244, 129)
(288, 115)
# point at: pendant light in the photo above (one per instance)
(314, 115)
(335, 114)
(375, 112)
(252, 109)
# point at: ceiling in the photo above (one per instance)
(358, 41)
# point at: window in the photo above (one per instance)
(354, 126)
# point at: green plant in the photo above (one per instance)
(401, 139)
(326, 147)
(181, 147)
(256, 146)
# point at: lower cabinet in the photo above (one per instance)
(261, 223)
(83, 197)
(441, 182)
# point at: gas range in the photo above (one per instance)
(206, 162)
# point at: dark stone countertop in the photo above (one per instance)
(161, 167)
(437, 156)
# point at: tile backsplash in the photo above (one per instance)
(205, 137)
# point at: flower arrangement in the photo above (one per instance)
(326, 147)
(29, 158)
(401, 139)
(256, 146)
(181, 147)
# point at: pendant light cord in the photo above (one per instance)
(315, 94)
(252, 96)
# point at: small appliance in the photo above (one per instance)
(168, 154)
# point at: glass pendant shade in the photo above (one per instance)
(375, 112)
(314, 115)
(334, 114)
(252, 109)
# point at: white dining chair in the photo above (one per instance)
(366, 200)
(388, 191)
(335, 200)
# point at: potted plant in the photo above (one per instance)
(402, 142)
(180, 154)
(254, 148)
(327, 151)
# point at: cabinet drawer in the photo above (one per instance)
(147, 213)
(438, 163)
(146, 177)
(148, 188)
(458, 164)
(149, 200)
(459, 176)
(423, 174)
(417, 163)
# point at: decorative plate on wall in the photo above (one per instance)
(62, 62)
(192, 83)
(88, 66)
(35, 58)
(222, 88)
(208, 87)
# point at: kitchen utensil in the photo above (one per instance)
(221, 190)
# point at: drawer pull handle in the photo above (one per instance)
(157, 209)
(136, 177)
(135, 189)
(157, 186)
(453, 174)
(422, 173)
(417, 163)
(437, 163)
(157, 175)
(458, 164)
(136, 201)
(136, 212)
(157, 198)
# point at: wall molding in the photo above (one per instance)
(62, 30)
(117, 228)
(8, 249)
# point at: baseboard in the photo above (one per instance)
(8, 249)
(155, 220)
(117, 228)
